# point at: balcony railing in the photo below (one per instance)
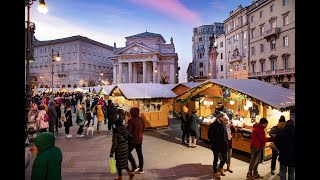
(236, 58)
(272, 32)
(276, 72)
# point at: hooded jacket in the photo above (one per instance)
(120, 146)
(286, 143)
(258, 136)
(47, 165)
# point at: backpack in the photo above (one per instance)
(46, 118)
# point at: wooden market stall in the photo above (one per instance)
(245, 101)
(153, 100)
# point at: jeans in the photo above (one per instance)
(138, 148)
(283, 172)
(229, 155)
(216, 158)
(274, 160)
(184, 133)
(254, 161)
(80, 130)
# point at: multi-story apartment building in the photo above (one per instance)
(145, 58)
(200, 49)
(221, 62)
(82, 59)
(236, 48)
(272, 41)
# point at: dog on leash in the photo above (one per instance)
(89, 129)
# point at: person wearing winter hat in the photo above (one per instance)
(185, 127)
(68, 123)
(81, 121)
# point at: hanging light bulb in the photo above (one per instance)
(211, 103)
(231, 102)
(245, 107)
(205, 102)
(249, 103)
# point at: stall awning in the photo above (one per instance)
(144, 91)
(187, 84)
(275, 96)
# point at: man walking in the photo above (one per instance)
(218, 137)
(136, 128)
(52, 116)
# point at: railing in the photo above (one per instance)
(276, 72)
(272, 31)
(236, 58)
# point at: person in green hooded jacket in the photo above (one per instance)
(47, 165)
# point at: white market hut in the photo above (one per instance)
(153, 100)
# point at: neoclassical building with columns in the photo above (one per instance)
(145, 59)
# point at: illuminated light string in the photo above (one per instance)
(241, 97)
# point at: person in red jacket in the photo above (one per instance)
(136, 128)
(258, 140)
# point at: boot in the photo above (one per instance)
(221, 170)
(130, 175)
(216, 176)
(118, 178)
(190, 142)
(228, 168)
(194, 143)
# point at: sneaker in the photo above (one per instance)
(135, 170)
(81, 135)
(69, 136)
(140, 171)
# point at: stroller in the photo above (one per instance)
(32, 127)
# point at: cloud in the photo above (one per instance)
(173, 8)
(51, 27)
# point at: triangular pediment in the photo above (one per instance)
(135, 48)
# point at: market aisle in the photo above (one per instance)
(87, 158)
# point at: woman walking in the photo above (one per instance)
(80, 120)
(68, 123)
(230, 129)
(42, 125)
(100, 115)
(120, 148)
(194, 129)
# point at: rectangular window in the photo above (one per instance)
(221, 68)
(201, 64)
(273, 65)
(286, 63)
(165, 68)
(272, 8)
(262, 66)
(261, 30)
(221, 44)
(244, 19)
(201, 73)
(253, 33)
(200, 38)
(221, 55)
(69, 66)
(253, 50)
(285, 20)
(83, 66)
(252, 17)
(261, 14)
(253, 70)
(83, 56)
(273, 24)
(244, 66)
(273, 44)
(284, 2)
(229, 41)
(285, 41)
(244, 34)
(261, 48)
(74, 66)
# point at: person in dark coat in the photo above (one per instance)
(285, 141)
(47, 165)
(194, 129)
(68, 123)
(53, 116)
(185, 125)
(217, 134)
(112, 115)
(120, 148)
(58, 110)
(135, 128)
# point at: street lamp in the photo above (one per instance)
(28, 58)
(231, 71)
(55, 57)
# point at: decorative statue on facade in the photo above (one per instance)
(212, 40)
(171, 40)
(236, 52)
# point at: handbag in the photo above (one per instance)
(113, 167)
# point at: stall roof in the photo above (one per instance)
(275, 96)
(190, 85)
(107, 89)
(144, 91)
(170, 86)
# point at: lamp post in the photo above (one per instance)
(42, 9)
(54, 57)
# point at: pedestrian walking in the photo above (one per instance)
(136, 127)
(80, 120)
(185, 125)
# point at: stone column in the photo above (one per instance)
(154, 72)
(172, 73)
(130, 71)
(144, 71)
(135, 73)
(159, 73)
(114, 74)
(120, 73)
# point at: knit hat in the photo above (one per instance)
(185, 109)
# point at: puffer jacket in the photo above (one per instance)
(40, 120)
(120, 146)
(47, 165)
(258, 136)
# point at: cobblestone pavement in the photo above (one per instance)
(87, 158)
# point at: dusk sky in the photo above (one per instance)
(109, 21)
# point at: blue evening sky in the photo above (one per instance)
(109, 21)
